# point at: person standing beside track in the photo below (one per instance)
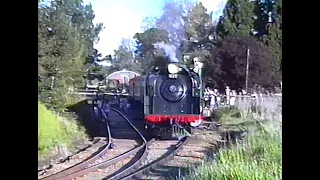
(106, 108)
(123, 103)
(99, 105)
(95, 112)
(206, 97)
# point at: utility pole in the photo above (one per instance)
(247, 69)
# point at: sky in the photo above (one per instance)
(129, 15)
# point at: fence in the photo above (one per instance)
(256, 107)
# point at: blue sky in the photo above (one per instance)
(122, 18)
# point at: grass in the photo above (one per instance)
(258, 156)
(56, 130)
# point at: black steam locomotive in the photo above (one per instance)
(168, 98)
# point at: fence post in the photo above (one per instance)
(233, 97)
(228, 95)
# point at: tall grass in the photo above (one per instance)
(55, 130)
(258, 156)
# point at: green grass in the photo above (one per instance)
(55, 130)
(257, 157)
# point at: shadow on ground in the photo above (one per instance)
(169, 172)
(176, 172)
(84, 111)
(120, 129)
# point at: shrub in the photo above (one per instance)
(56, 130)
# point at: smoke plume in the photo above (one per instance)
(170, 50)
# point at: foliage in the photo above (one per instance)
(232, 57)
(173, 20)
(66, 35)
(257, 156)
(145, 52)
(200, 40)
(55, 130)
(245, 20)
(242, 25)
(197, 26)
(124, 57)
(237, 19)
(190, 28)
(273, 38)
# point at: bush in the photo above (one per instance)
(232, 112)
(257, 157)
(55, 130)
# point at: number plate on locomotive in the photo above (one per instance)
(173, 76)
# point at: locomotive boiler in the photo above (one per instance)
(168, 99)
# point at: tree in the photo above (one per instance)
(232, 56)
(65, 35)
(238, 18)
(257, 19)
(145, 41)
(273, 38)
(199, 34)
(125, 59)
(172, 20)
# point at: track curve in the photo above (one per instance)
(90, 165)
(83, 165)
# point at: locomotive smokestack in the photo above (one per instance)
(170, 50)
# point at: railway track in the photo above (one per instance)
(158, 153)
(66, 173)
(118, 147)
(126, 155)
(94, 142)
(152, 153)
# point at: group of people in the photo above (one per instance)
(122, 103)
(102, 105)
(211, 98)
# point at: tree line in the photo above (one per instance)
(67, 35)
(221, 45)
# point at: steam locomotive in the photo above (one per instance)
(169, 99)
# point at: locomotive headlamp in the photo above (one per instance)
(173, 69)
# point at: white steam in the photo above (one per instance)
(170, 50)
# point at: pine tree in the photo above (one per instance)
(238, 19)
(273, 38)
(197, 28)
(66, 35)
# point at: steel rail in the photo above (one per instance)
(83, 165)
